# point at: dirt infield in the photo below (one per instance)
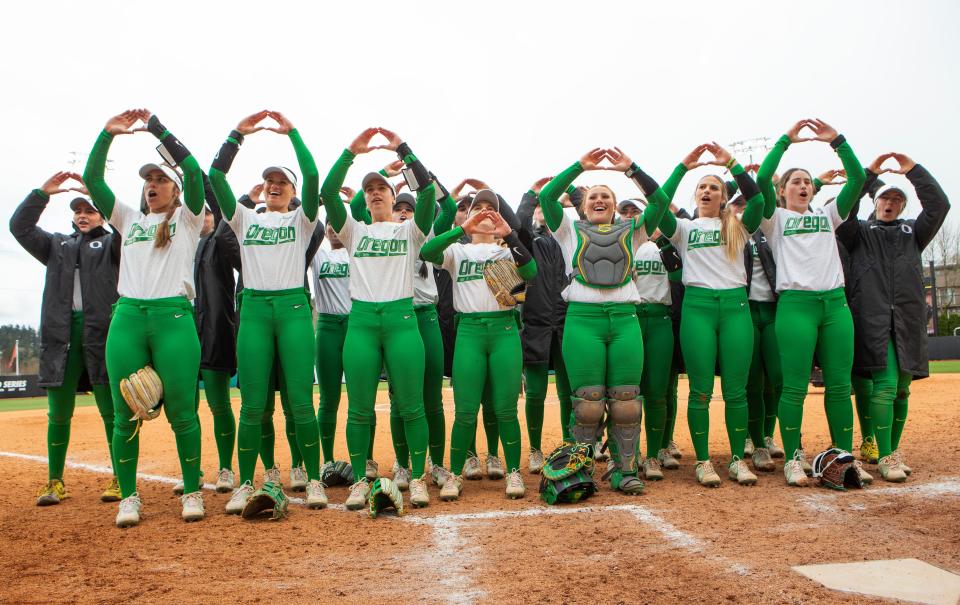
(677, 542)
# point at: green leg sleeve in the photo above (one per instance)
(626, 355)
(290, 426)
(671, 416)
(835, 353)
(62, 400)
(585, 348)
(491, 428)
(331, 332)
(536, 393)
(562, 384)
(362, 362)
(657, 333)
(862, 394)
(429, 328)
(699, 340)
(900, 405)
(404, 360)
(255, 367)
(756, 383)
(773, 375)
(373, 436)
(104, 399)
(504, 365)
(736, 346)
(216, 385)
(888, 404)
(268, 433)
(399, 437)
(470, 372)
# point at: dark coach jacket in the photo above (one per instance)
(886, 293)
(765, 254)
(97, 256)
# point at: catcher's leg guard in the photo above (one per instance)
(588, 409)
(625, 412)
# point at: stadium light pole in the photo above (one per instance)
(749, 146)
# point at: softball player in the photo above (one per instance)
(488, 340)
(716, 319)
(153, 319)
(382, 329)
(602, 346)
(812, 311)
(81, 285)
(275, 317)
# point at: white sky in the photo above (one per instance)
(503, 91)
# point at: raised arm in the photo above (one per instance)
(770, 163)
(192, 174)
(93, 175)
(448, 210)
(330, 190)
(432, 251)
(856, 177)
(933, 200)
(551, 192)
(23, 223)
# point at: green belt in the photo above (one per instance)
(171, 301)
(264, 293)
(365, 306)
(584, 308)
(653, 309)
(814, 294)
(739, 293)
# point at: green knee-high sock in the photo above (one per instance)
(735, 417)
(698, 419)
(671, 415)
(862, 393)
(771, 401)
(126, 452)
(58, 438)
(373, 434)
(509, 431)
(491, 428)
(417, 437)
(655, 418)
(900, 405)
(307, 443)
(840, 417)
(436, 428)
(268, 441)
(359, 444)
(328, 431)
(296, 457)
(566, 411)
(101, 393)
(250, 444)
(399, 438)
(188, 450)
(756, 418)
(534, 412)
(790, 416)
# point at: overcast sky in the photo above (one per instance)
(503, 91)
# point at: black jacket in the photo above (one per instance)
(765, 254)
(215, 303)
(886, 293)
(97, 256)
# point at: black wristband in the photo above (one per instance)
(175, 148)
(224, 158)
(235, 134)
(646, 182)
(403, 150)
(443, 190)
(521, 255)
(671, 259)
(154, 126)
(840, 140)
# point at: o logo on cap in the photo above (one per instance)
(906, 228)
(96, 244)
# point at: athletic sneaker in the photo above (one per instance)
(775, 450)
(112, 492)
(890, 469)
(674, 450)
(738, 471)
(52, 492)
(192, 504)
(401, 476)
(239, 498)
(452, 488)
(419, 497)
(762, 460)
(801, 457)
(631, 485)
(225, 481)
(272, 475)
(536, 461)
(494, 468)
(903, 464)
(358, 495)
(372, 471)
(515, 487)
(440, 475)
(178, 486)
(298, 479)
(667, 461)
(793, 471)
(472, 469)
(129, 513)
(652, 470)
(316, 497)
(748, 447)
(869, 450)
(865, 477)
(706, 476)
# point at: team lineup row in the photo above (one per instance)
(617, 298)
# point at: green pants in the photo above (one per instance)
(671, 415)
(490, 428)
(862, 392)
(888, 403)
(765, 382)
(378, 335)
(429, 326)
(603, 348)
(216, 387)
(162, 333)
(276, 324)
(61, 401)
(487, 349)
(331, 334)
(656, 328)
(810, 321)
(268, 437)
(537, 376)
(716, 326)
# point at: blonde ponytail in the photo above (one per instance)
(162, 239)
(732, 233)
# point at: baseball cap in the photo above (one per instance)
(887, 189)
(486, 195)
(166, 169)
(76, 202)
(376, 176)
(639, 204)
(405, 198)
(286, 172)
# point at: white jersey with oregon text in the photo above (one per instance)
(760, 290)
(273, 247)
(805, 248)
(704, 255)
(382, 256)
(650, 275)
(566, 236)
(331, 281)
(147, 272)
(465, 264)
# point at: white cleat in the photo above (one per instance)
(667, 461)
(316, 496)
(793, 472)
(706, 476)
(239, 499)
(536, 461)
(372, 471)
(440, 475)
(651, 469)
(775, 450)
(471, 469)
(272, 475)
(515, 487)
(298, 479)
(762, 461)
(494, 468)
(748, 447)
(738, 471)
(419, 497)
(358, 495)
(452, 488)
(192, 504)
(129, 513)
(401, 476)
(225, 481)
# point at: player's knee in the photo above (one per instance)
(624, 411)
(588, 407)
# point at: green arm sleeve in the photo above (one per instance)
(426, 204)
(225, 197)
(448, 213)
(766, 172)
(551, 192)
(100, 193)
(310, 196)
(330, 191)
(359, 210)
(528, 270)
(432, 251)
(192, 185)
(856, 177)
(673, 181)
(653, 214)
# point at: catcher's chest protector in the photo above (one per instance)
(603, 258)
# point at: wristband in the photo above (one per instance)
(840, 140)
(731, 162)
(154, 127)
(236, 136)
